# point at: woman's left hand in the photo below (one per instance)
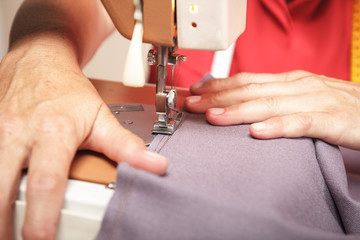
(292, 104)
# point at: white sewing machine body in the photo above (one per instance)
(84, 207)
(188, 24)
(209, 25)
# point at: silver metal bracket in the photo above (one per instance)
(166, 99)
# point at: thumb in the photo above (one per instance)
(120, 145)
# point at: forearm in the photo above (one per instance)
(78, 27)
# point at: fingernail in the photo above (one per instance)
(216, 111)
(259, 126)
(197, 85)
(193, 99)
(154, 157)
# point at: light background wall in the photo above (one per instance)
(108, 62)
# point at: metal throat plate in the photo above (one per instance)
(137, 118)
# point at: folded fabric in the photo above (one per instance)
(224, 184)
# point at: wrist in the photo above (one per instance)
(44, 48)
(42, 43)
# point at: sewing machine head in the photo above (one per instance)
(188, 24)
(172, 24)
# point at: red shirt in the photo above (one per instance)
(311, 35)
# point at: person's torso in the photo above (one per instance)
(311, 35)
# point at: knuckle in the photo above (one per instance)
(51, 124)
(216, 98)
(214, 84)
(240, 77)
(308, 80)
(238, 110)
(314, 81)
(40, 181)
(296, 74)
(272, 104)
(131, 139)
(305, 121)
(39, 231)
(10, 125)
(125, 134)
(130, 143)
(251, 87)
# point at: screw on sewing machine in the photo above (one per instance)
(173, 59)
(151, 57)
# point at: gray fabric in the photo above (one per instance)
(224, 184)
(351, 159)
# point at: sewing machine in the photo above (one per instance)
(168, 24)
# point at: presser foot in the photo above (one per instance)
(170, 127)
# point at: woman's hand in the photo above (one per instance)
(292, 104)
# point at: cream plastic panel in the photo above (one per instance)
(209, 25)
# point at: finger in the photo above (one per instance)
(13, 152)
(315, 125)
(119, 144)
(224, 98)
(265, 108)
(11, 161)
(50, 159)
(243, 79)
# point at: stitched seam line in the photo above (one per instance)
(128, 186)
